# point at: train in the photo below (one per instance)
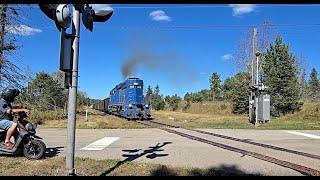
(126, 100)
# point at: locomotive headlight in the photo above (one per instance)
(130, 105)
(147, 105)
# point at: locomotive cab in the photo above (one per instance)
(134, 99)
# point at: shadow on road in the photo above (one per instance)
(52, 152)
(223, 170)
(150, 153)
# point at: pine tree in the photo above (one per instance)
(303, 86)
(280, 75)
(157, 100)
(156, 91)
(186, 97)
(314, 85)
(174, 102)
(148, 95)
(215, 85)
(167, 99)
(240, 93)
(227, 88)
(46, 92)
(10, 73)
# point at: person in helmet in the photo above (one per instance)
(6, 114)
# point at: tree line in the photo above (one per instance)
(288, 85)
(158, 101)
(46, 92)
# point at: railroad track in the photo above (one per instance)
(299, 168)
(313, 156)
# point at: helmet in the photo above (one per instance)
(10, 94)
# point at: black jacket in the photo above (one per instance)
(4, 107)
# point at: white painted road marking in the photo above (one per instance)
(304, 134)
(100, 144)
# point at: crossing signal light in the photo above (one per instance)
(91, 15)
(59, 13)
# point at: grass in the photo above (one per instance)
(96, 120)
(188, 120)
(307, 119)
(41, 116)
(55, 166)
(208, 115)
(219, 115)
(212, 108)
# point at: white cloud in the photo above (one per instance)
(227, 57)
(22, 30)
(100, 6)
(159, 15)
(239, 9)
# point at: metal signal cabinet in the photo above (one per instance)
(264, 108)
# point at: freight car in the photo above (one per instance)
(126, 100)
(101, 105)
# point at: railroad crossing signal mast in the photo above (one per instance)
(259, 102)
(69, 57)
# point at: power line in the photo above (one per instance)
(296, 26)
(205, 6)
(212, 26)
(221, 26)
(195, 6)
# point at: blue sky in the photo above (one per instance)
(190, 55)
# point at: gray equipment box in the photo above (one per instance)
(264, 108)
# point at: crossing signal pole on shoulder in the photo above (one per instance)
(69, 56)
(259, 101)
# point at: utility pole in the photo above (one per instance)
(73, 92)
(252, 100)
(254, 50)
(255, 72)
(259, 102)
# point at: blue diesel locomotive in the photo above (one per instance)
(126, 100)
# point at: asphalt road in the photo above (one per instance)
(158, 146)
